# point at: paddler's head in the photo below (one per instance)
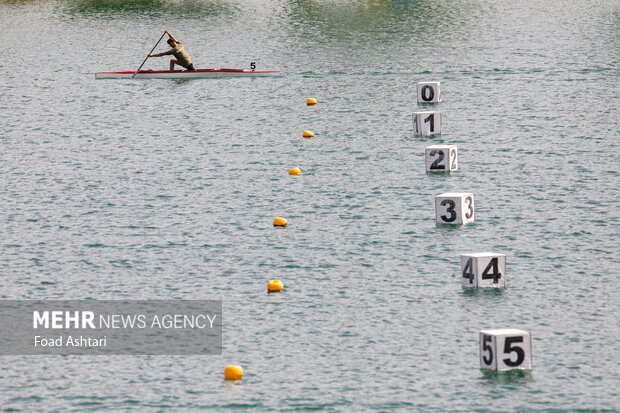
(172, 43)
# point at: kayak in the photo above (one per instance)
(186, 74)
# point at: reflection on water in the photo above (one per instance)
(377, 21)
(490, 377)
(366, 21)
(148, 8)
(482, 292)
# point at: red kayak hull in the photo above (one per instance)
(185, 74)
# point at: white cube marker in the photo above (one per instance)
(505, 349)
(441, 158)
(427, 123)
(483, 269)
(429, 92)
(454, 208)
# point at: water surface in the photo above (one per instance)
(167, 190)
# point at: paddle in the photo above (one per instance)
(147, 55)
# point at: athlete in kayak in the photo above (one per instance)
(182, 58)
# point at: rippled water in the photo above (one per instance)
(167, 189)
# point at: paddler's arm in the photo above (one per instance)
(161, 54)
(171, 36)
(169, 51)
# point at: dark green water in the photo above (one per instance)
(168, 189)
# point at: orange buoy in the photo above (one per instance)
(279, 222)
(233, 373)
(275, 285)
(294, 171)
(308, 134)
(311, 101)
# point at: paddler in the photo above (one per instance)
(182, 58)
